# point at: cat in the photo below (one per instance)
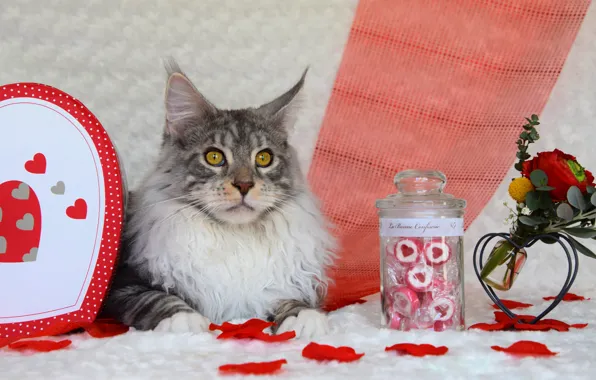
(224, 226)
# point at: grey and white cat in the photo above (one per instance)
(224, 226)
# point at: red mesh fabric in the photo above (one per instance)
(434, 85)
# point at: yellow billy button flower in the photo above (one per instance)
(519, 187)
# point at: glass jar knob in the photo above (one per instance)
(418, 182)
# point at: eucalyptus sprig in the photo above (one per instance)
(527, 137)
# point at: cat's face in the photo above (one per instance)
(233, 166)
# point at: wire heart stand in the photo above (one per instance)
(562, 240)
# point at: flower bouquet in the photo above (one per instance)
(554, 196)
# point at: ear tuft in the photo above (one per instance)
(183, 101)
(283, 107)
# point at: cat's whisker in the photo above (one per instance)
(157, 203)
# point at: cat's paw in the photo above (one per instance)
(184, 322)
(309, 323)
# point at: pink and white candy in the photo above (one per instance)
(420, 277)
(437, 252)
(442, 309)
(405, 301)
(407, 250)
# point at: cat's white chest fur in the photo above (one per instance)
(240, 272)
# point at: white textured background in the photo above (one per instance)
(108, 54)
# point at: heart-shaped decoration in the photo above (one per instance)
(562, 240)
(78, 210)
(21, 222)
(50, 142)
(59, 188)
(37, 165)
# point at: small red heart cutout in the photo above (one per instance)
(37, 165)
(78, 210)
(407, 251)
(420, 276)
(437, 252)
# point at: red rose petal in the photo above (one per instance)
(323, 352)
(526, 348)
(539, 327)
(339, 305)
(417, 349)
(251, 329)
(569, 297)
(579, 325)
(251, 323)
(499, 326)
(105, 329)
(502, 317)
(513, 305)
(39, 345)
(253, 368)
(275, 338)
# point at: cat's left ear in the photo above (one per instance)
(283, 108)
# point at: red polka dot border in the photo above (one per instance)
(110, 238)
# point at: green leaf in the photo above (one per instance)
(545, 188)
(593, 199)
(534, 117)
(575, 198)
(532, 221)
(534, 135)
(545, 201)
(518, 166)
(523, 135)
(532, 200)
(591, 189)
(522, 155)
(528, 127)
(564, 211)
(583, 233)
(538, 178)
(547, 240)
(582, 248)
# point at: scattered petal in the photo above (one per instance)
(251, 323)
(526, 348)
(338, 305)
(40, 345)
(498, 326)
(323, 352)
(417, 349)
(513, 305)
(539, 327)
(579, 325)
(502, 317)
(251, 329)
(105, 329)
(253, 368)
(569, 297)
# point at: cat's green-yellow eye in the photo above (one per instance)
(215, 157)
(264, 158)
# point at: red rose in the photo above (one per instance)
(562, 170)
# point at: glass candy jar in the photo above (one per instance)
(421, 233)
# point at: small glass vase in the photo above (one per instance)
(504, 263)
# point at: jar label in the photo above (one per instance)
(422, 227)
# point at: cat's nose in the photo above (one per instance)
(243, 187)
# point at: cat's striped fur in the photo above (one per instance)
(206, 243)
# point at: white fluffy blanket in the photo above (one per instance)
(149, 355)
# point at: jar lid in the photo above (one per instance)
(420, 189)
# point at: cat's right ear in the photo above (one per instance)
(185, 105)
